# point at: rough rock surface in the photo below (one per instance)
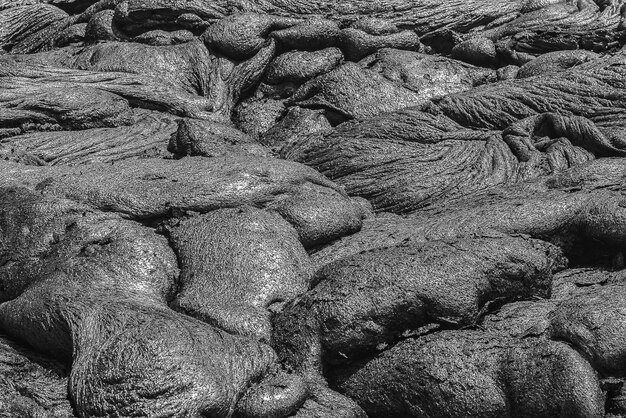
(32, 385)
(236, 263)
(372, 298)
(101, 283)
(196, 137)
(498, 375)
(581, 210)
(329, 209)
(146, 137)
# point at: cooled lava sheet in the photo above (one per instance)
(312, 209)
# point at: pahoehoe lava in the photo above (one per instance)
(312, 209)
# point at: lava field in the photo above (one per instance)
(312, 208)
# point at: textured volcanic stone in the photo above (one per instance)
(162, 38)
(256, 116)
(235, 264)
(102, 28)
(146, 137)
(328, 209)
(373, 297)
(212, 139)
(96, 296)
(30, 384)
(521, 319)
(79, 248)
(74, 34)
(298, 66)
(181, 66)
(297, 123)
(430, 76)
(357, 44)
(423, 15)
(586, 310)
(593, 90)
(157, 188)
(30, 28)
(560, 26)
(470, 373)
(185, 80)
(580, 209)
(82, 107)
(240, 36)
(554, 62)
(593, 321)
(26, 78)
(354, 92)
(311, 34)
(478, 51)
(398, 160)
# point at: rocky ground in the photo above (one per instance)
(312, 209)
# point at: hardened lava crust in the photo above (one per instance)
(312, 209)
